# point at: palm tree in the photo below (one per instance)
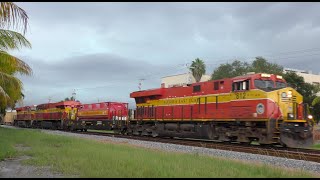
(12, 16)
(198, 68)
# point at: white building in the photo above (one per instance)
(181, 79)
(307, 75)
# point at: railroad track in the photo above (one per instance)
(289, 153)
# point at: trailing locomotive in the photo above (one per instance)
(72, 115)
(254, 107)
(49, 115)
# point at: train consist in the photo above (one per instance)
(72, 115)
(254, 107)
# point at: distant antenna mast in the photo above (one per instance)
(140, 84)
(49, 99)
(74, 94)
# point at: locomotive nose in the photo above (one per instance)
(288, 100)
(295, 131)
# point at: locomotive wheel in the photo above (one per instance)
(154, 134)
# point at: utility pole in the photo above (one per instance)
(140, 84)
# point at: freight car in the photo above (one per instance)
(254, 107)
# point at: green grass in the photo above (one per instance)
(88, 158)
(316, 146)
(101, 131)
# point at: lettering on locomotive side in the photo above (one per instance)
(180, 101)
(251, 94)
(84, 113)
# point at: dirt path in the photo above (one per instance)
(13, 168)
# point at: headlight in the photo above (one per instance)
(290, 116)
(284, 94)
(310, 116)
(289, 94)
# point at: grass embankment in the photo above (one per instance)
(316, 146)
(87, 158)
(100, 131)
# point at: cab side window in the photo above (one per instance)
(241, 85)
(197, 88)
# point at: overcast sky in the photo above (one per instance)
(102, 49)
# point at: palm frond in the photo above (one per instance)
(315, 101)
(9, 80)
(10, 91)
(3, 93)
(12, 40)
(15, 63)
(13, 15)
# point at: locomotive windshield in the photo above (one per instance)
(269, 84)
(264, 84)
(280, 84)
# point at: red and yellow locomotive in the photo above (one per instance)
(72, 115)
(254, 107)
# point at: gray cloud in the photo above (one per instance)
(94, 76)
(84, 44)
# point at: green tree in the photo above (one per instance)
(236, 68)
(316, 101)
(12, 16)
(69, 99)
(198, 68)
(261, 65)
(316, 108)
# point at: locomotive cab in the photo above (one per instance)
(291, 116)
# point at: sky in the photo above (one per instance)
(100, 50)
